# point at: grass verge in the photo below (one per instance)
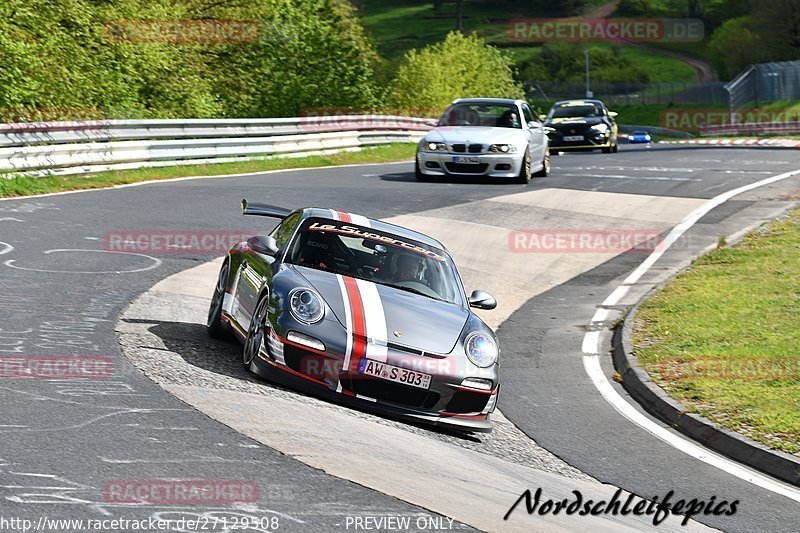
(722, 337)
(22, 185)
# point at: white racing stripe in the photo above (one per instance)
(348, 322)
(591, 361)
(361, 220)
(375, 320)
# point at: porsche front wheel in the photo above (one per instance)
(214, 325)
(255, 333)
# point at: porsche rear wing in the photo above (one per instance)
(264, 210)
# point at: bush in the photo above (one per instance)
(459, 67)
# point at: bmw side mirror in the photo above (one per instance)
(534, 125)
(542, 117)
(263, 245)
(482, 300)
(548, 130)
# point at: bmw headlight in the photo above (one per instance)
(435, 147)
(602, 128)
(481, 349)
(306, 306)
(503, 148)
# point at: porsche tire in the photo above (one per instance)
(215, 327)
(256, 333)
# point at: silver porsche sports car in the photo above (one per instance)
(493, 137)
(361, 311)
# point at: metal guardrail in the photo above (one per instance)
(79, 147)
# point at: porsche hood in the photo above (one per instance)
(387, 315)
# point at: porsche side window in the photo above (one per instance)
(284, 231)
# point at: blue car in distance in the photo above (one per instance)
(640, 136)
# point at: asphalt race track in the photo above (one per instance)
(63, 441)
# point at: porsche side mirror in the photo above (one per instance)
(482, 300)
(612, 113)
(263, 245)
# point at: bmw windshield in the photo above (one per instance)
(365, 253)
(482, 115)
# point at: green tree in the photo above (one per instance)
(733, 46)
(459, 67)
(61, 54)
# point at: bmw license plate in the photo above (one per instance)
(394, 373)
(466, 160)
(570, 138)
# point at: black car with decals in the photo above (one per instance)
(361, 311)
(581, 125)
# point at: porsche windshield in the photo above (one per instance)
(570, 111)
(486, 115)
(365, 253)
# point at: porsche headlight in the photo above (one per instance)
(503, 148)
(435, 147)
(481, 349)
(306, 306)
(602, 128)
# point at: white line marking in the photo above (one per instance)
(591, 363)
(621, 177)
(600, 315)
(595, 372)
(6, 248)
(156, 263)
(590, 342)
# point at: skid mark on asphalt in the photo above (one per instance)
(155, 262)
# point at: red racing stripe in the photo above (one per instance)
(359, 324)
(345, 217)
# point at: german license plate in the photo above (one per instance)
(394, 373)
(570, 138)
(466, 160)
